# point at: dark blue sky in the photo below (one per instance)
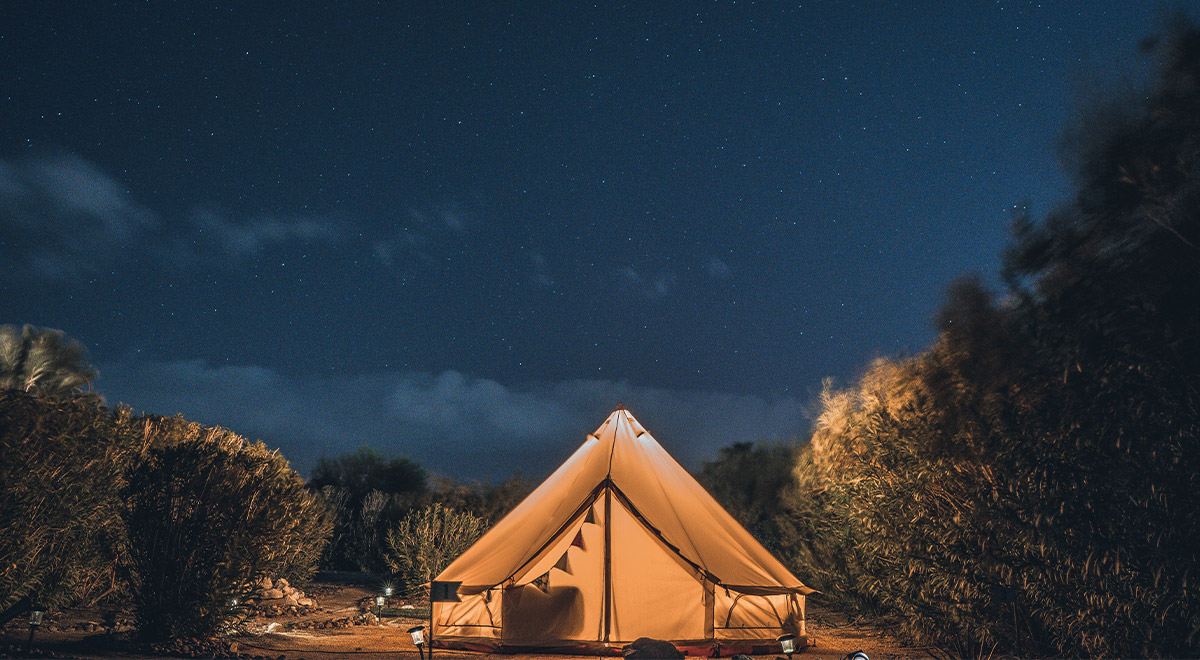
(466, 232)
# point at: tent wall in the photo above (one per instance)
(654, 593)
(574, 587)
(477, 616)
(748, 617)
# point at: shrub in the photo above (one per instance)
(427, 540)
(62, 464)
(1030, 482)
(210, 513)
(366, 493)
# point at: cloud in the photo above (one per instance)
(422, 234)
(541, 273)
(454, 424)
(717, 269)
(70, 215)
(656, 287)
(68, 218)
(247, 238)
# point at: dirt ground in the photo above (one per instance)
(338, 629)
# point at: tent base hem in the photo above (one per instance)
(696, 648)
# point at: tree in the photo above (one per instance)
(748, 480)
(367, 493)
(364, 470)
(44, 361)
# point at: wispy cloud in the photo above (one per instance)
(248, 238)
(68, 218)
(71, 216)
(421, 233)
(717, 269)
(655, 287)
(452, 423)
(541, 271)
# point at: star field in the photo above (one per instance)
(463, 216)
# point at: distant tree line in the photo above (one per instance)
(1030, 484)
(391, 519)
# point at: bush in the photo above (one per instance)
(427, 540)
(366, 493)
(209, 514)
(1030, 482)
(62, 464)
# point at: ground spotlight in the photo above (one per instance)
(418, 637)
(787, 644)
(36, 613)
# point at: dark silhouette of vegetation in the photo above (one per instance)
(45, 362)
(369, 495)
(366, 493)
(209, 514)
(1030, 483)
(98, 504)
(62, 471)
(750, 480)
(491, 502)
(364, 470)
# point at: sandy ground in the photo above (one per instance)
(296, 637)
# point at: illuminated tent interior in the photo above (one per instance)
(619, 543)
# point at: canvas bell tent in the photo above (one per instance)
(619, 543)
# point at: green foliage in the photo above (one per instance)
(62, 465)
(491, 502)
(365, 470)
(427, 540)
(749, 481)
(362, 518)
(210, 513)
(45, 362)
(366, 493)
(1031, 482)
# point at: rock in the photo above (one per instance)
(644, 648)
(290, 600)
(265, 583)
(272, 594)
(281, 583)
(306, 602)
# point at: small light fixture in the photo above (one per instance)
(387, 590)
(859, 655)
(379, 601)
(418, 637)
(36, 612)
(787, 644)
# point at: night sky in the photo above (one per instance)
(465, 232)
